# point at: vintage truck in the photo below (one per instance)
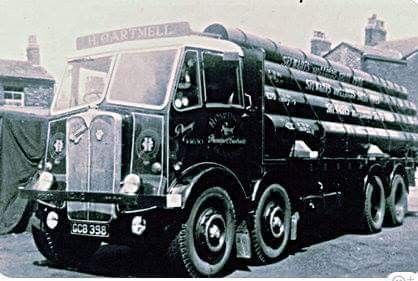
(212, 145)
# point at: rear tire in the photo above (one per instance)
(203, 245)
(271, 224)
(63, 249)
(397, 201)
(373, 211)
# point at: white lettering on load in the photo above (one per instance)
(338, 108)
(315, 86)
(345, 93)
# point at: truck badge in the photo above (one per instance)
(147, 144)
(99, 134)
(58, 146)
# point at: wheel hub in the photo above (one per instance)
(376, 207)
(400, 200)
(211, 230)
(399, 210)
(273, 220)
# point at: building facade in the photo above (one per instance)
(26, 83)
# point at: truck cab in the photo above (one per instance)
(137, 129)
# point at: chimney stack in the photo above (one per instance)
(32, 51)
(319, 44)
(375, 31)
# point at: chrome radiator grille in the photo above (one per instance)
(93, 161)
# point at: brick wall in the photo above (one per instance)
(405, 75)
(37, 93)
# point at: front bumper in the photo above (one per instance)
(168, 201)
(120, 230)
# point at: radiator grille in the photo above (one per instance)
(93, 161)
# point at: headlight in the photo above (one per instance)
(44, 182)
(156, 168)
(52, 220)
(131, 184)
(48, 166)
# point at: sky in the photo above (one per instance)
(57, 23)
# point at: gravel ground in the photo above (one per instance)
(322, 251)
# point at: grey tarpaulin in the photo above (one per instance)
(22, 143)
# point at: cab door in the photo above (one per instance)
(228, 139)
(188, 124)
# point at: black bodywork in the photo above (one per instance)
(239, 146)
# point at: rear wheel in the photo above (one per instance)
(204, 243)
(271, 224)
(63, 249)
(373, 211)
(397, 201)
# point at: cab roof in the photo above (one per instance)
(195, 41)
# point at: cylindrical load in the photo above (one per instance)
(332, 139)
(297, 59)
(347, 118)
(280, 76)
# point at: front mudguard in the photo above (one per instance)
(198, 177)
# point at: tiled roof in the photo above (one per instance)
(388, 53)
(23, 69)
(405, 46)
(396, 49)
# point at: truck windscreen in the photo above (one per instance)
(84, 83)
(143, 78)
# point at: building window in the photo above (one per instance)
(14, 96)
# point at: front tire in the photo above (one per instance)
(397, 201)
(204, 243)
(63, 249)
(271, 224)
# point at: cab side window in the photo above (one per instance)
(188, 87)
(221, 79)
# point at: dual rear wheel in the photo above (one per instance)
(378, 205)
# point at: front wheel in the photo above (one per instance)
(203, 245)
(271, 224)
(63, 249)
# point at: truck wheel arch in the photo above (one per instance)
(375, 170)
(204, 175)
(269, 178)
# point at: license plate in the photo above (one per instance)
(90, 229)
